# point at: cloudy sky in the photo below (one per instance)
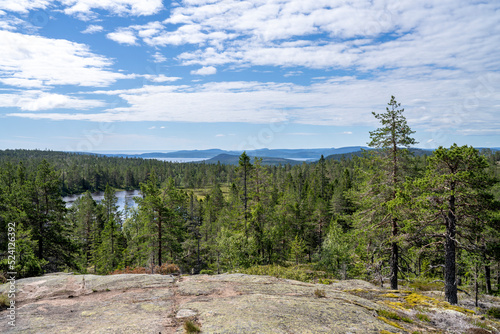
(152, 75)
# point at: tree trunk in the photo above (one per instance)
(159, 240)
(394, 257)
(487, 277)
(394, 266)
(450, 283)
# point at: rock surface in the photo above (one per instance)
(232, 303)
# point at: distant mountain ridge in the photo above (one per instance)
(270, 156)
(229, 159)
(313, 153)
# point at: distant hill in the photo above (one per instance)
(228, 159)
(415, 151)
(313, 153)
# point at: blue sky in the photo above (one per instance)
(152, 75)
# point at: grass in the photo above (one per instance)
(301, 272)
(423, 317)
(191, 328)
(4, 301)
(393, 316)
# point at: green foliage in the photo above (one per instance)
(190, 327)
(335, 250)
(426, 284)
(339, 216)
(303, 273)
(494, 312)
(297, 249)
(4, 301)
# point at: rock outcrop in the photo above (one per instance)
(231, 303)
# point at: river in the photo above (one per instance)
(125, 197)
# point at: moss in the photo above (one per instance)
(88, 313)
(423, 317)
(4, 301)
(390, 295)
(389, 322)
(393, 315)
(383, 331)
(357, 290)
(395, 305)
(326, 281)
(414, 300)
(190, 327)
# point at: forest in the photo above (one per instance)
(386, 216)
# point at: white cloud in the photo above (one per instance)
(120, 7)
(92, 29)
(206, 70)
(436, 104)
(39, 100)
(160, 78)
(159, 58)
(366, 35)
(10, 22)
(24, 6)
(84, 9)
(123, 36)
(33, 61)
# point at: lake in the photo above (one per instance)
(125, 197)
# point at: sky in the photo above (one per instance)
(152, 75)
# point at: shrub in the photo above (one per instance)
(206, 272)
(319, 293)
(4, 301)
(423, 284)
(190, 327)
(494, 312)
(301, 273)
(164, 269)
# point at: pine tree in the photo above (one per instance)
(393, 134)
(455, 193)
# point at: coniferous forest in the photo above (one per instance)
(387, 216)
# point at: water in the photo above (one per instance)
(125, 197)
(181, 160)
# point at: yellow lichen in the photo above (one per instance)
(416, 299)
(357, 290)
(394, 305)
(390, 295)
(389, 322)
